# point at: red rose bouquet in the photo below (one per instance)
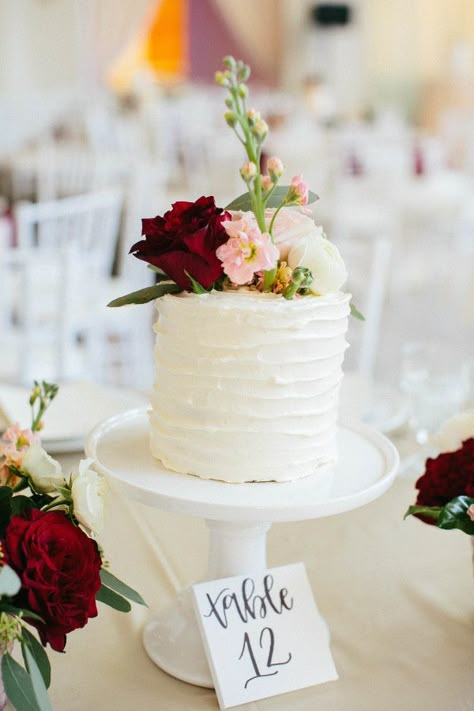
(51, 568)
(446, 489)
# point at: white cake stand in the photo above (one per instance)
(238, 515)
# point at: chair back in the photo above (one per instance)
(66, 249)
(88, 224)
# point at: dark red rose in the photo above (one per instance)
(451, 474)
(185, 239)
(59, 567)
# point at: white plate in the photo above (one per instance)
(77, 408)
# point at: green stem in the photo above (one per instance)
(274, 216)
(270, 193)
(55, 503)
(268, 279)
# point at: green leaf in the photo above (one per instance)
(26, 614)
(121, 588)
(109, 597)
(197, 288)
(37, 681)
(454, 515)
(5, 507)
(276, 198)
(356, 313)
(10, 583)
(20, 504)
(428, 511)
(143, 296)
(18, 686)
(39, 653)
(159, 273)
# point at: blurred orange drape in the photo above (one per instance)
(166, 47)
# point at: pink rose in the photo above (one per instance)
(291, 226)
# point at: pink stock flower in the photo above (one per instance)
(298, 191)
(247, 251)
(14, 444)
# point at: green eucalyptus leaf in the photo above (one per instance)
(159, 273)
(20, 504)
(356, 313)
(149, 293)
(428, 511)
(117, 586)
(111, 598)
(197, 288)
(26, 614)
(5, 507)
(276, 198)
(18, 685)
(10, 583)
(37, 681)
(39, 653)
(454, 515)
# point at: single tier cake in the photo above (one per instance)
(247, 383)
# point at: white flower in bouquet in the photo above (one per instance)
(44, 471)
(456, 430)
(322, 258)
(87, 492)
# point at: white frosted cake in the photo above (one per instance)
(252, 321)
(247, 384)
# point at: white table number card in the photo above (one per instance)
(263, 634)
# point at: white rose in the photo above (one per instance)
(44, 471)
(290, 227)
(455, 431)
(87, 491)
(322, 257)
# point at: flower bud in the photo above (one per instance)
(229, 103)
(253, 116)
(298, 192)
(244, 73)
(221, 78)
(302, 279)
(229, 62)
(230, 118)
(260, 129)
(243, 91)
(266, 182)
(248, 171)
(275, 167)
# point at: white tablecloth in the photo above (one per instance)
(398, 597)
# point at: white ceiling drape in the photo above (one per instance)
(256, 27)
(105, 27)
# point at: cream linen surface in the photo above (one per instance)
(398, 597)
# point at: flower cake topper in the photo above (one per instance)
(262, 240)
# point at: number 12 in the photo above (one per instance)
(270, 663)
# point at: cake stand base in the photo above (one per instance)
(238, 516)
(171, 638)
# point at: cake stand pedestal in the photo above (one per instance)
(238, 515)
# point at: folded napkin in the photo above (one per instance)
(76, 409)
